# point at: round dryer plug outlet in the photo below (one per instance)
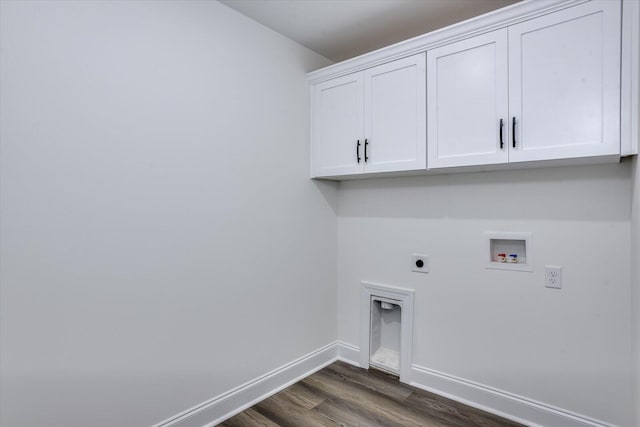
(420, 263)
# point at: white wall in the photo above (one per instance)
(161, 240)
(503, 329)
(635, 285)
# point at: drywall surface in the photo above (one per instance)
(635, 285)
(568, 348)
(161, 240)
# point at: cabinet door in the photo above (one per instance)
(467, 98)
(564, 91)
(395, 116)
(337, 127)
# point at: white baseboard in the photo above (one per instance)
(349, 353)
(504, 404)
(508, 405)
(499, 402)
(226, 405)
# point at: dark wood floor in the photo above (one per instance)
(346, 396)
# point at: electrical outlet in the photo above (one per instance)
(420, 263)
(553, 276)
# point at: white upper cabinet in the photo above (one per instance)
(564, 83)
(538, 81)
(371, 121)
(547, 88)
(467, 100)
(337, 126)
(395, 116)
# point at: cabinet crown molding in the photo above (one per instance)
(518, 12)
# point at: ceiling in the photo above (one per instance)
(342, 29)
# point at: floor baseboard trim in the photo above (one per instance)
(348, 353)
(504, 404)
(228, 404)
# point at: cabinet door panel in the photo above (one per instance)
(395, 116)
(466, 98)
(337, 126)
(564, 83)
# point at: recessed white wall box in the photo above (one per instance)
(386, 329)
(509, 251)
(420, 263)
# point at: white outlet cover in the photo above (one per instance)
(425, 260)
(553, 276)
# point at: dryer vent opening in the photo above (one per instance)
(384, 352)
(386, 329)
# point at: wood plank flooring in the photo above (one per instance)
(342, 395)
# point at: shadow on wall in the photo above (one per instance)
(576, 193)
(328, 191)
